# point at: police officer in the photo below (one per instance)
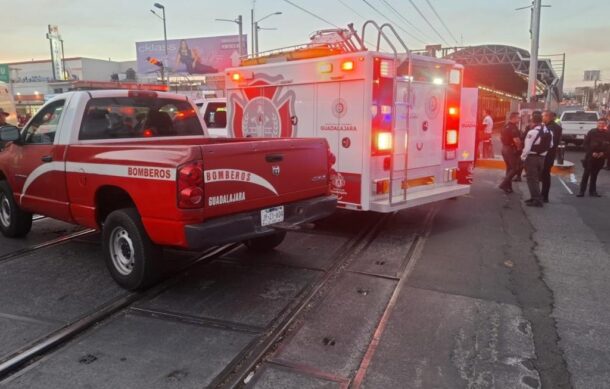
(511, 146)
(549, 119)
(538, 142)
(597, 147)
(608, 156)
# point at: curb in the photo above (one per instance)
(498, 164)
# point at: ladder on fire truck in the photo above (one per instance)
(401, 113)
(323, 43)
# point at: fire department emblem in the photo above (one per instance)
(337, 181)
(263, 109)
(339, 108)
(432, 106)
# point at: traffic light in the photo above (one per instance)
(154, 61)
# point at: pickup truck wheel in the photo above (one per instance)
(14, 223)
(266, 243)
(131, 257)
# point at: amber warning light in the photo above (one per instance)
(347, 66)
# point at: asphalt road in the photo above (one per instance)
(478, 292)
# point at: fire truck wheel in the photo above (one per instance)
(266, 243)
(131, 257)
(14, 223)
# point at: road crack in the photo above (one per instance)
(534, 296)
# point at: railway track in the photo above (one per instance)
(266, 338)
(44, 345)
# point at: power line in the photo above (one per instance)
(311, 13)
(397, 25)
(428, 22)
(404, 18)
(442, 21)
(351, 9)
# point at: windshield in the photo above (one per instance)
(126, 117)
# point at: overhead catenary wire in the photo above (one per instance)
(312, 14)
(428, 22)
(401, 16)
(438, 16)
(352, 9)
(390, 20)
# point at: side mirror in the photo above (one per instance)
(9, 134)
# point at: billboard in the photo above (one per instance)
(191, 56)
(592, 75)
(56, 53)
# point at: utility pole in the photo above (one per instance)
(252, 26)
(240, 23)
(535, 32)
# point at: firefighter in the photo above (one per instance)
(549, 119)
(538, 142)
(597, 148)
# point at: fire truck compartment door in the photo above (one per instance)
(425, 143)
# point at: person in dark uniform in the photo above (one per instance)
(549, 117)
(538, 142)
(511, 148)
(608, 156)
(597, 147)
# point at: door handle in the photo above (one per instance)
(271, 158)
(47, 158)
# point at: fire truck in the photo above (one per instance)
(395, 120)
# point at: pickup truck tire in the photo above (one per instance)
(14, 223)
(266, 243)
(132, 259)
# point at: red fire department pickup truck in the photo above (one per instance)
(138, 166)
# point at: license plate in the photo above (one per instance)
(272, 215)
(580, 137)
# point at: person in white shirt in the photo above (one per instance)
(538, 142)
(488, 126)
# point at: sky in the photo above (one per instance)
(110, 28)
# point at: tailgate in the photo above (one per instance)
(261, 173)
(577, 128)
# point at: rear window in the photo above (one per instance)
(579, 117)
(215, 115)
(127, 117)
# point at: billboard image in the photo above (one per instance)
(191, 56)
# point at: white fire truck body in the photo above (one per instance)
(397, 138)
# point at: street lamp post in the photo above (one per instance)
(240, 23)
(257, 28)
(162, 8)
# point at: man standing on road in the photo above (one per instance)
(549, 117)
(488, 127)
(511, 146)
(608, 156)
(597, 148)
(538, 142)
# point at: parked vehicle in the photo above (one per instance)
(213, 110)
(394, 120)
(137, 166)
(576, 124)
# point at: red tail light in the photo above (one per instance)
(190, 185)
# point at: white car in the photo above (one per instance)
(576, 124)
(214, 114)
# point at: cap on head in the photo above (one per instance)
(4, 113)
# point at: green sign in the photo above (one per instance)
(4, 73)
